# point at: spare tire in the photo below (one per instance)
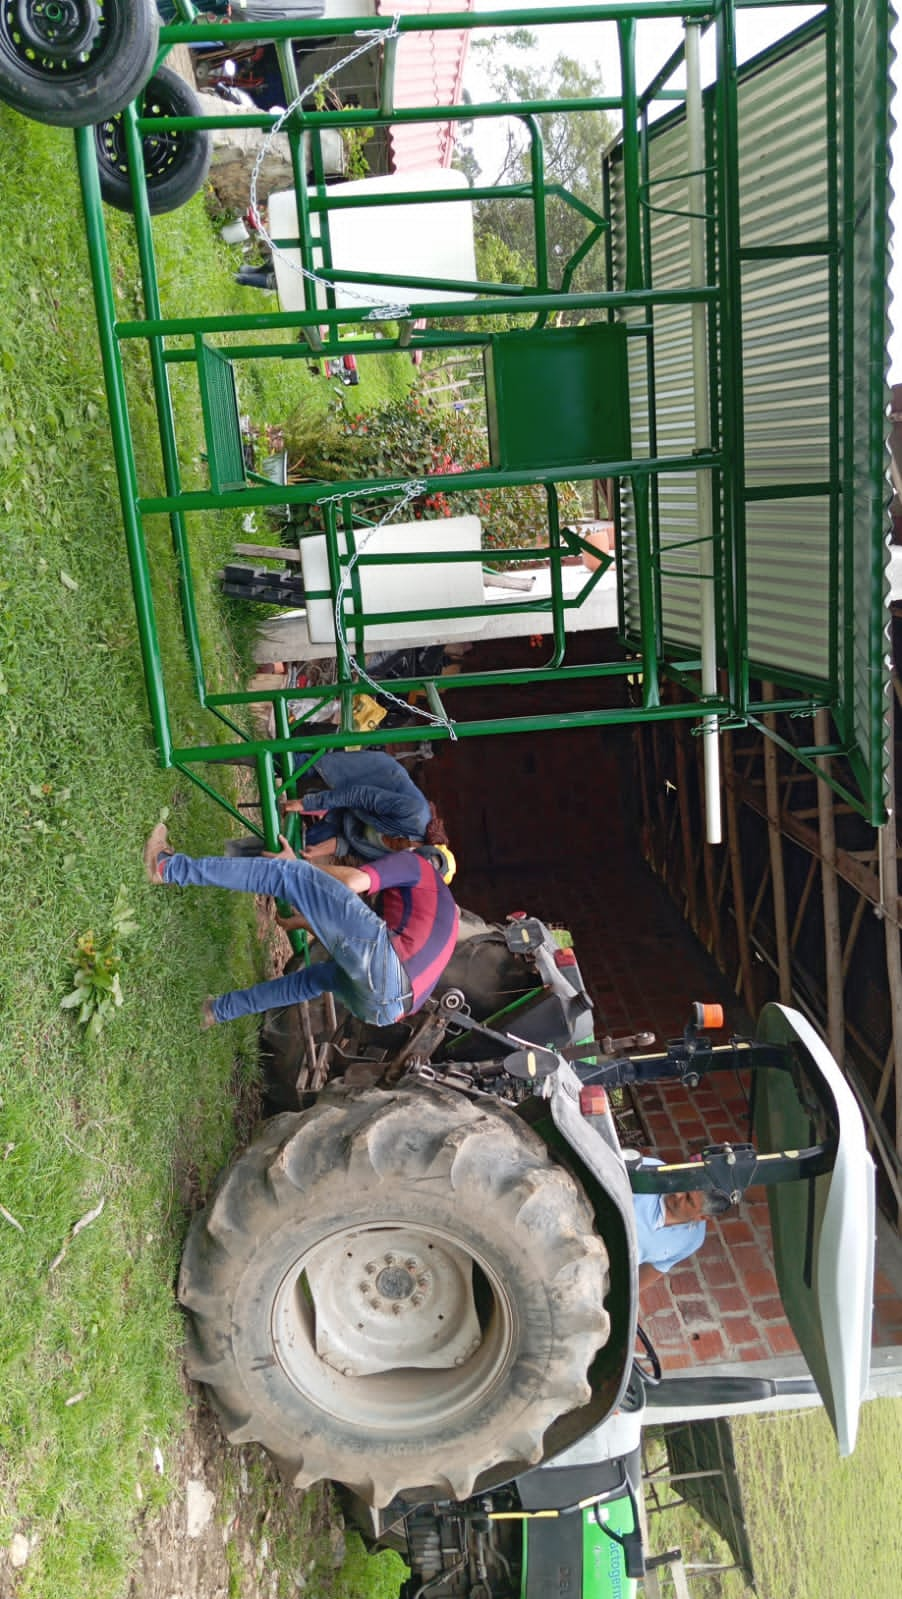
(398, 1290)
(175, 163)
(76, 61)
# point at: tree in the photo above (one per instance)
(573, 144)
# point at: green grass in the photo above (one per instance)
(819, 1527)
(143, 1117)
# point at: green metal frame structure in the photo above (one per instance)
(700, 520)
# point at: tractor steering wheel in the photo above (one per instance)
(651, 1373)
(641, 1376)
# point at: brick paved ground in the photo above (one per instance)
(546, 823)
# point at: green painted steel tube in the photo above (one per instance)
(537, 162)
(187, 770)
(330, 526)
(626, 31)
(266, 780)
(319, 493)
(123, 450)
(453, 21)
(351, 543)
(163, 399)
(395, 280)
(414, 197)
(559, 629)
(302, 203)
(408, 685)
(607, 717)
(730, 338)
(827, 777)
(648, 613)
(658, 81)
(349, 117)
(248, 320)
(389, 63)
(650, 368)
(551, 722)
(288, 69)
(878, 687)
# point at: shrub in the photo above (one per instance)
(411, 439)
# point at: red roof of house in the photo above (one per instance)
(428, 71)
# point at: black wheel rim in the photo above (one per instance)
(52, 35)
(160, 150)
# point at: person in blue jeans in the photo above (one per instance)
(381, 967)
(370, 805)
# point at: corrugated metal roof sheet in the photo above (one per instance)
(428, 71)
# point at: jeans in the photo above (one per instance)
(364, 972)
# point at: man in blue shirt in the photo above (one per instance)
(670, 1227)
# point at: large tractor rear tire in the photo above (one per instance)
(398, 1290)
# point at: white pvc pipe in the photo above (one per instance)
(695, 131)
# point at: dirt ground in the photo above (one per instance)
(231, 1526)
(227, 1524)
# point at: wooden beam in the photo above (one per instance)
(836, 1037)
(775, 845)
(802, 906)
(269, 552)
(861, 906)
(848, 868)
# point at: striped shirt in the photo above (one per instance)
(420, 914)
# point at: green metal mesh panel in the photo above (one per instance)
(222, 422)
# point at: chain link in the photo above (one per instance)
(376, 311)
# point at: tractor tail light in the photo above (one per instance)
(593, 1100)
(564, 957)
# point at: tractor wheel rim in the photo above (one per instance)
(393, 1327)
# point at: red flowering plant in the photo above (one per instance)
(412, 439)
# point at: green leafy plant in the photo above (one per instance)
(49, 818)
(355, 141)
(414, 438)
(98, 989)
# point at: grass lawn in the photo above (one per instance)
(127, 1128)
(819, 1527)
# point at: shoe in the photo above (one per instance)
(156, 853)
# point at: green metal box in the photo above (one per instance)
(557, 397)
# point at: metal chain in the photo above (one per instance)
(409, 491)
(377, 312)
